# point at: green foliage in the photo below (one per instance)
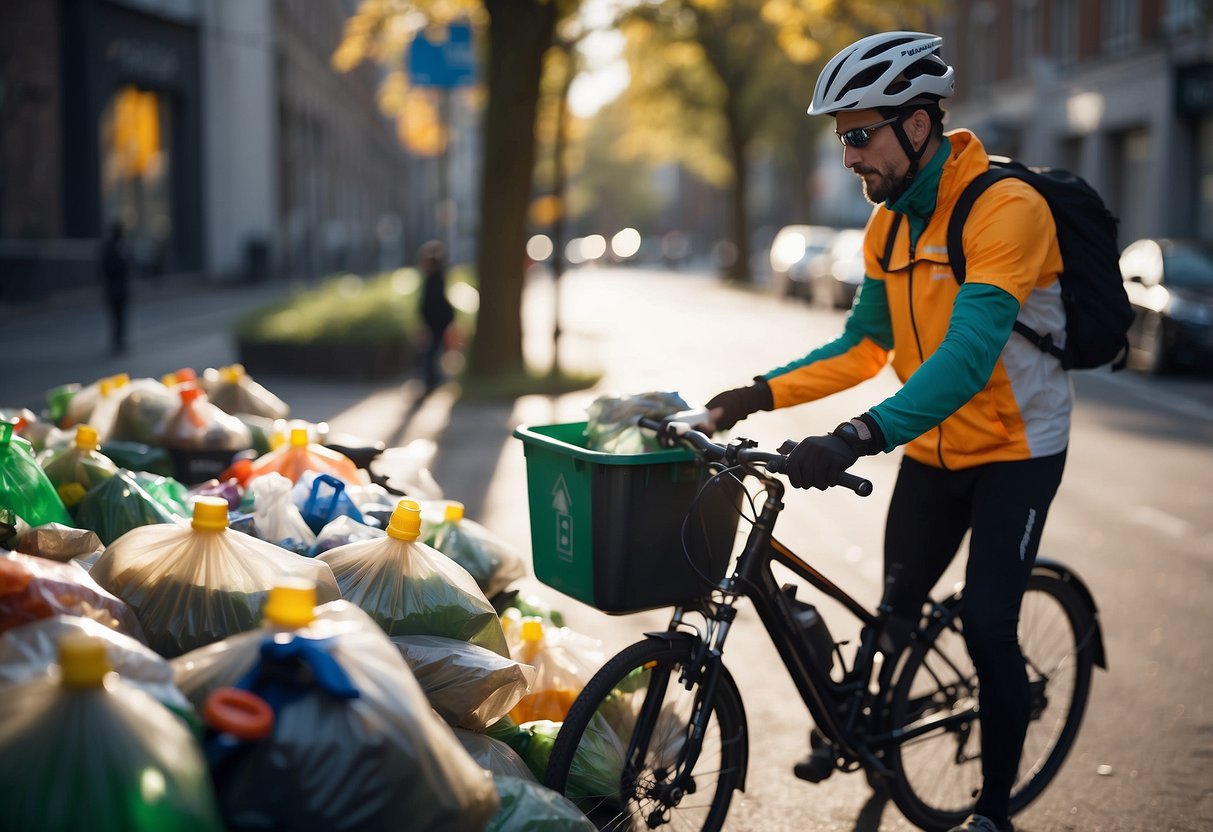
(346, 309)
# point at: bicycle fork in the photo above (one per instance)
(701, 674)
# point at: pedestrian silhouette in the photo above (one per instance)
(115, 271)
(436, 311)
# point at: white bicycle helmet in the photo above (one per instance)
(885, 70)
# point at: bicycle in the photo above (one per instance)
(667, 717)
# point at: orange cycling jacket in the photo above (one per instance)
(973, 392)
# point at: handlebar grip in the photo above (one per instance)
(857, 484)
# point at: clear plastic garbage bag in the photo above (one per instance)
(493, 755)
(31, 649)
(33, 588)
(83, 749)
(192, 585)
(355, 744)
(412, 589)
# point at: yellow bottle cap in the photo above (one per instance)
(86, 438)
(121, 380)
(454, 511)
(406, 521)
(105, 386)
(210, 514)
(83, 660)
(231, 373)
(298, 437)
(532, 629)
(169, 379)
(292, 603)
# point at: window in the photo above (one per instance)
(1181, 16)
(1065, 32)
(983, 47)
(1120, 26)
(1025, 36)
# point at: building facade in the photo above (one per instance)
(216, 131)
(1119, 91)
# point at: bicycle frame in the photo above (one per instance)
(753, 578)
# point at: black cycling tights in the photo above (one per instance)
(1003, 505)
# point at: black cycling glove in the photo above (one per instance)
(741, 402)
(817, 461)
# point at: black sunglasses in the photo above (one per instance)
(860, 136)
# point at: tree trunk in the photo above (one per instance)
(739, 219)
(520, 31)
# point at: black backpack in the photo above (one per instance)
(1098, 313)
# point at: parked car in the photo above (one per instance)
(837, 273)
(791, 250)
(1170, 284)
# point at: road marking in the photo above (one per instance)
(1160, 521)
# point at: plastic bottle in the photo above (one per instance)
(25, 486)
(554, 689)
(300, 454)
(202, 438)
(77, 468)
(82, 750)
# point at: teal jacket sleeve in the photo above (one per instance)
(981, 323)
(868, 318)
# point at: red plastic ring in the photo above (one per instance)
(239, 712)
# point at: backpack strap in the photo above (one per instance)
(890, 241)
(956, 254)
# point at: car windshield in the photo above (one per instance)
(1190, 268)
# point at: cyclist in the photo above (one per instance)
(984, 416)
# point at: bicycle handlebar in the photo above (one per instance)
(680, 428)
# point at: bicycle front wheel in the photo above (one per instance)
(627, 752)
(937, 767)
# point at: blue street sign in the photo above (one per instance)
(450, 63)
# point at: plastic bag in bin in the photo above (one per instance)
(354, 743)
(81, 749)
(411, 589)
(193, 585)
(469, 686)
(611, 424)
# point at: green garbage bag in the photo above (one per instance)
(117, 506)
(24, 486)
(527, 806)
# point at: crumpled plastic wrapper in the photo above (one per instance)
(493, 755)
(611, 424)
(469, 686)
(55, 541)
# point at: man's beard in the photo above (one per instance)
(879, 189)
